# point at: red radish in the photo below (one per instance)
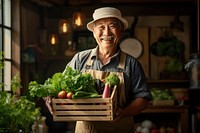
(106, 91)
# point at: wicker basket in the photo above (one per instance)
(91, 109)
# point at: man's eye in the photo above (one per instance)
(113, 26)
(100, 27)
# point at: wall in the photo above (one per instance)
(37, 26)
(148, 30)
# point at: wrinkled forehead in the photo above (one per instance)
(111, 20)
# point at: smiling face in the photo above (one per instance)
(107, 32)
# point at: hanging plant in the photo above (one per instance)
(168, 46)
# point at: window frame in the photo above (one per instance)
(6, 30)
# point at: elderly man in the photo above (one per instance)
(108, 27)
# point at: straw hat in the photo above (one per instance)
(107, 12)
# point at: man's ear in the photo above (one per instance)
(93, 33)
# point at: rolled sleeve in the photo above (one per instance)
(136, 83)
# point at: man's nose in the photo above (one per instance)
(107, 31)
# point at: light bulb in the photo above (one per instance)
(64, 28)
(78, 19)
(53, 40)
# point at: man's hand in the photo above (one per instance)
(132, 109)
(118, 114)
(48, 102)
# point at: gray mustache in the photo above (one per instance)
(106, 38)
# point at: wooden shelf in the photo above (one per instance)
(167, 81)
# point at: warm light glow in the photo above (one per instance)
(78, 19)
(53, 39)
(64, 28)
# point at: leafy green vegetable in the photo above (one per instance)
(161, 94)
(113, 79)
(77, 81)
(70, 80)
(36, 89)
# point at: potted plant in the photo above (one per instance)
(17, 114)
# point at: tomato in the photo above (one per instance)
(62, 94)
(69, 95)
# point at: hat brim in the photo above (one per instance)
(91, 23)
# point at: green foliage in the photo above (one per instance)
(15, 83)
(1, 60)
(113, 79)
(170, 46)
(70, 80)
(161, 94)
(174, 65)
(36, 89)
(1, 67)
(17, 114)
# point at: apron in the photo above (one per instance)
(124, 125)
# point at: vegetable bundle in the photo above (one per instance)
(72, 84)
(70, 81)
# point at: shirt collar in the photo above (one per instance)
(95, 50)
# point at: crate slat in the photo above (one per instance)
(88, 100)
(81, 113)
(70, 107)
(85, 118)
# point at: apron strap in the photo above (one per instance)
(89, 62)
(122, 61)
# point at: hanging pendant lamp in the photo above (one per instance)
(63, 26)
(53, 39)
(78, 19)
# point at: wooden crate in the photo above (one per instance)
(90, 109)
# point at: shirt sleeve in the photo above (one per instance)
(79, 60)
(139, 84)
(74, 63)
(136, 83)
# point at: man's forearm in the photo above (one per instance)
(135, 107)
